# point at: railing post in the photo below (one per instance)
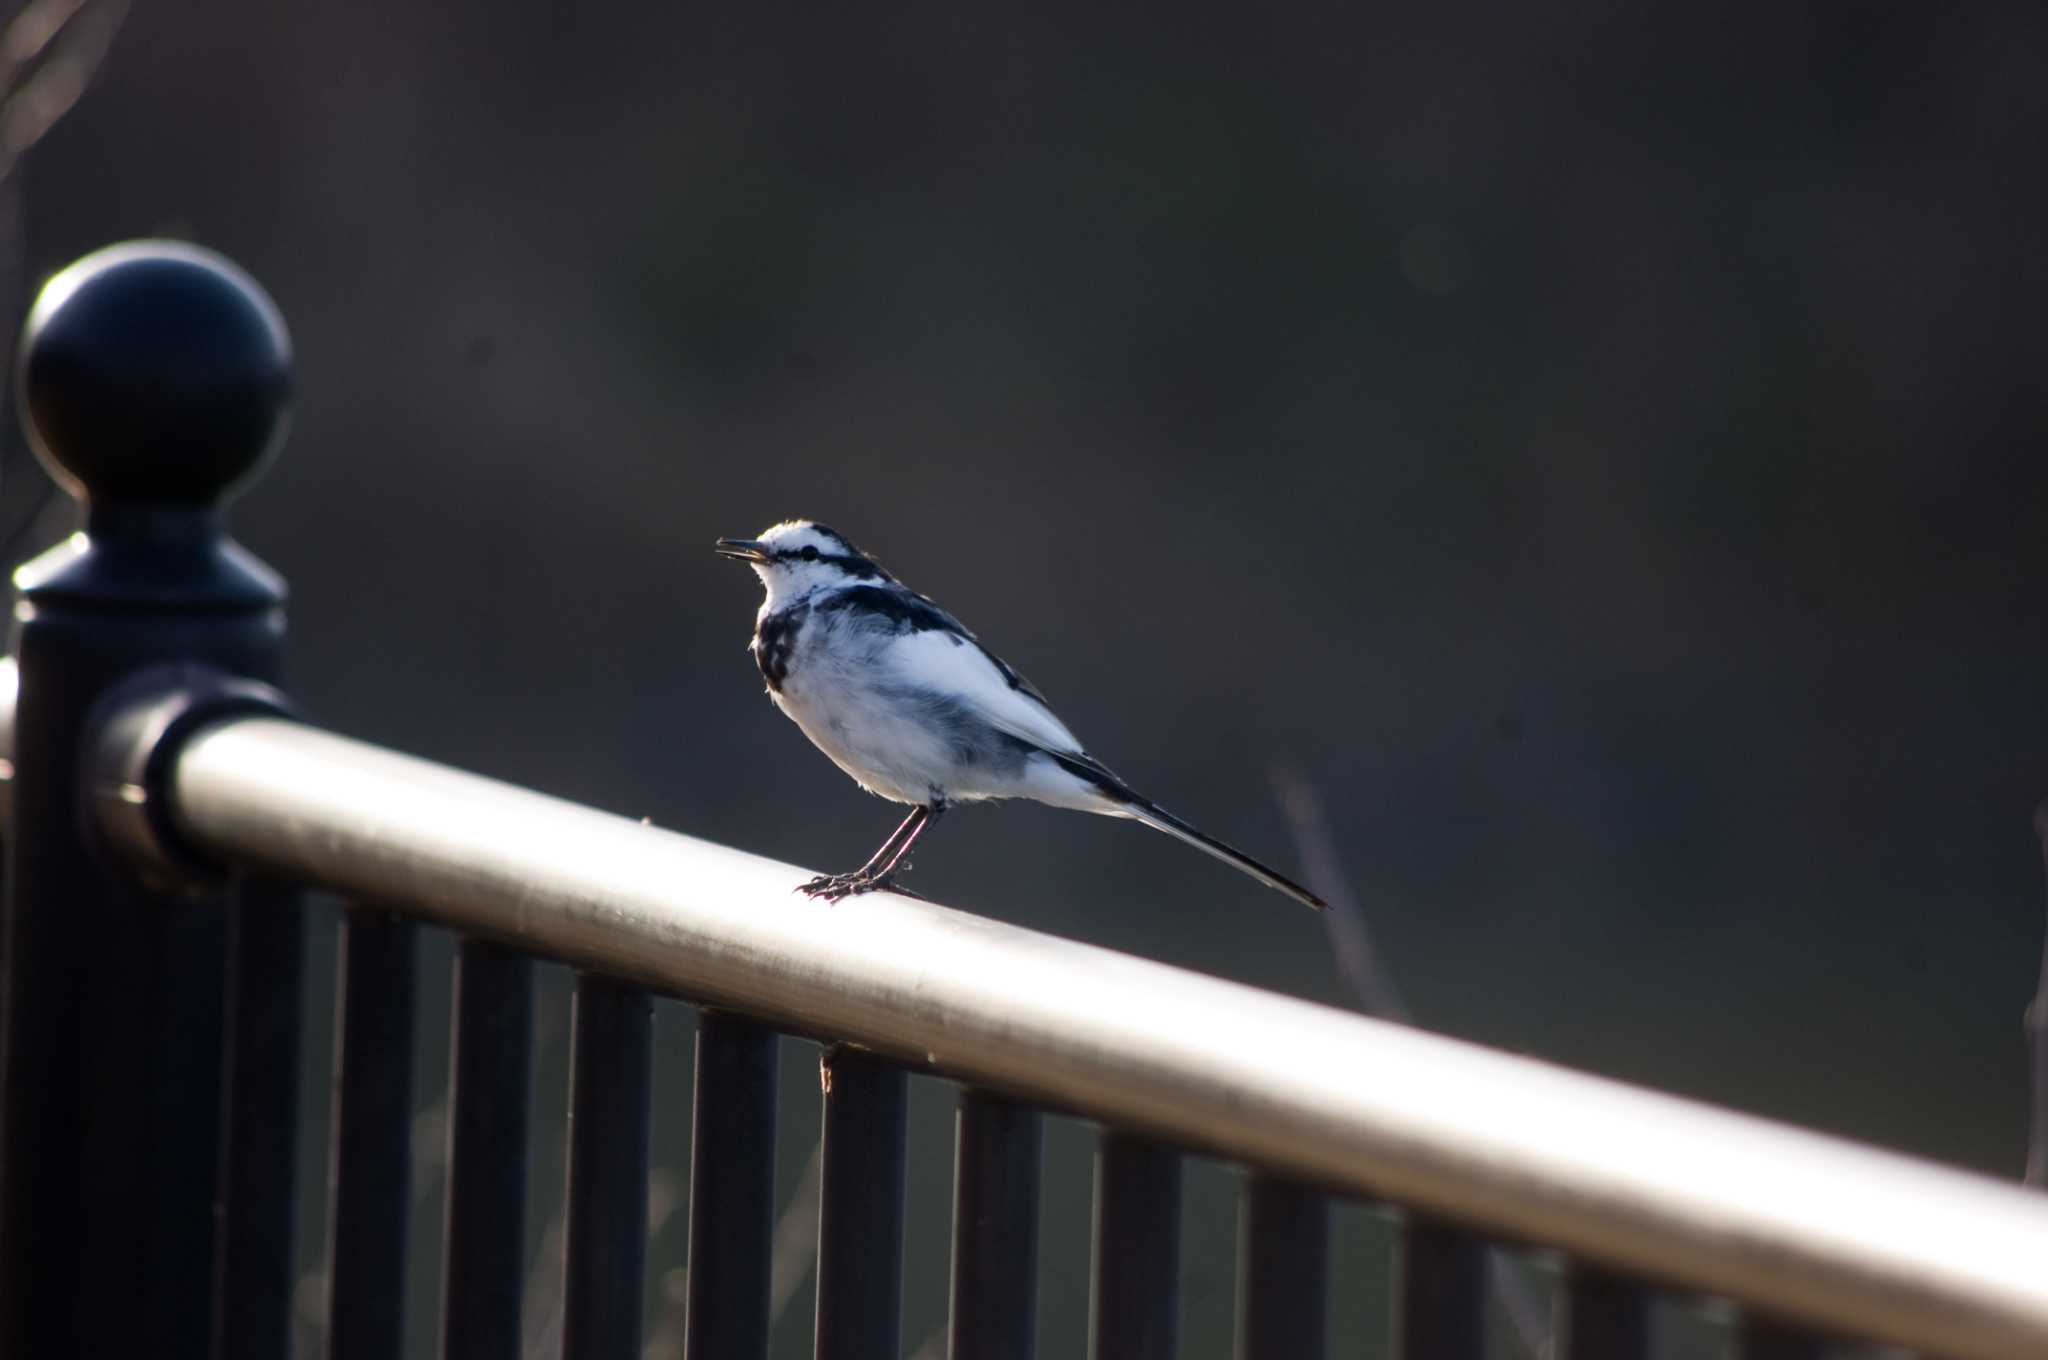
(484, 1249)
(154, 379)
(369, 1189)
(860, 1209)
(732, 1190)
(1283, 1271)
(1134, 1306)
(610, 1086)
(1443, 1292)
(1765, 1336)
(1607, 1316)
(260, 1153)
(996, 1145)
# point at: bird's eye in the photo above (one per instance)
(809, 554)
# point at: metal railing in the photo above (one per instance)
(164, 811)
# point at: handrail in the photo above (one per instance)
(152, 1013)
(1815, 1228)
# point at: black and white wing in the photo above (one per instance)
(934, 650)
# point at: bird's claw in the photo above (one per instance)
(833, 887)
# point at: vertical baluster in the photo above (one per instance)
(1134, 1307)
(183, 1016)
(484, 1260)
(1443, 1292)
(995, 1229)
(1283, 1271)
(372, 1178)
(609, 1085)
(1607, 1316)
(1765, 1337)
(860, 1211)
(259, 1154)
(732, 1190)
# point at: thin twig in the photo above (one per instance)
(1359, 960)
(71, 40)
(50, 52)
(1364, 970)
(28, 34)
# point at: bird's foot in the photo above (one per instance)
(832, 887)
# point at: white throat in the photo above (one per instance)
(788, 582)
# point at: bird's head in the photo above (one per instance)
(798, 556)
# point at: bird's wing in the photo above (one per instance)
(929, 648)
(958, 666)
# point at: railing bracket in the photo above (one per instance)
(137, 730)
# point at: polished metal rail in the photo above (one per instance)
(1813, 1228)
(150, 1018)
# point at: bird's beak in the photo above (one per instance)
(742, 549)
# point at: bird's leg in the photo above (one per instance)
(909, 825)
(832, 887)
(900, 861)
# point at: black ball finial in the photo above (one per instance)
(154, 372)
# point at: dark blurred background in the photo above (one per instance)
(1600, 448)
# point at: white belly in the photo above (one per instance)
(868, 736)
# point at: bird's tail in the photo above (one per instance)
(1105, 793)
(1159, 819)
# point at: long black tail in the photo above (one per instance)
(1130, 804)
(1159, 819)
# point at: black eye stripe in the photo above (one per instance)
(852, 564)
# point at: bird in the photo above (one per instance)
(902, 697)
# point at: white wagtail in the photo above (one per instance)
(904, 699)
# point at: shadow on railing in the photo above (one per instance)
(164, 812)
